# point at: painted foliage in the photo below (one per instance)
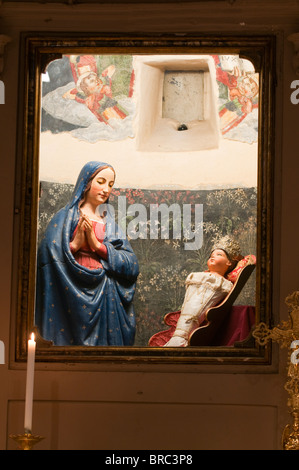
(164, 263)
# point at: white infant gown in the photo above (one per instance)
(203, 290)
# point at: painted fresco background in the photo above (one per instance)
(68, 107)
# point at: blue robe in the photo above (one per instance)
(80, 306)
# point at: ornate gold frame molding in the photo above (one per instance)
(38, 49)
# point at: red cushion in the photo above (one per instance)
(233, 275)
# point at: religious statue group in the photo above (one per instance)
(87, 273)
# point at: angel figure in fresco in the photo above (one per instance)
(203, 291)
(243, 89)
(86, 269)
(94, 89)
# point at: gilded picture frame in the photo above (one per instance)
(37, 51)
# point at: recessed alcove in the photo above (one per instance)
(183, 96)
(176, 91)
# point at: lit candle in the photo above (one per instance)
(29, 384)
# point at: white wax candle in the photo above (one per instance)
(29, 384)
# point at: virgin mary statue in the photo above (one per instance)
(86, 269)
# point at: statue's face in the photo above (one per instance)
(101, 187)
(218, 262)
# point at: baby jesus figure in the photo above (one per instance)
(205, 290)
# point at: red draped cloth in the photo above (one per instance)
(236, 327)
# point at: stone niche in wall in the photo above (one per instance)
(177, 103)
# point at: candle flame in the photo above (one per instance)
(32, 337)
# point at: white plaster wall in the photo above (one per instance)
(233, 164)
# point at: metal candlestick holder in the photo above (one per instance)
(287, 335)
(26, 441)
